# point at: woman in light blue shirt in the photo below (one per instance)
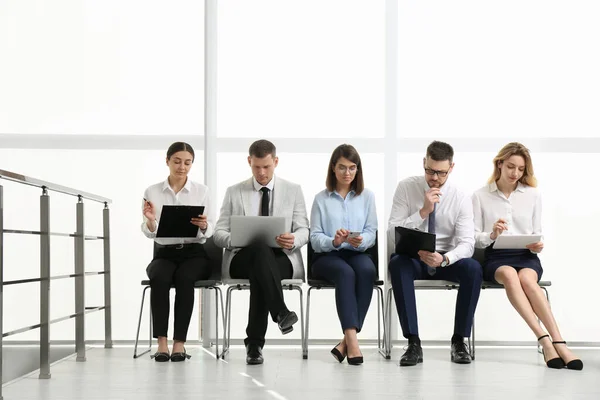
(343, 225)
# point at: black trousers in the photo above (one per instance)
(180, 268)
(265, 267)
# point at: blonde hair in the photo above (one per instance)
(515, 149)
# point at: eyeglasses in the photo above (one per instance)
(342, 169)
(441, 174)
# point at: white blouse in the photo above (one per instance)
(192, 193)
(522, 211)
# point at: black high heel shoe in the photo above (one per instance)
(575, 364)
(555, 363)
(180, 356)
(338, 354)
(355, 360)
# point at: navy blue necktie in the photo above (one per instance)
(264, 204)
(431, 229)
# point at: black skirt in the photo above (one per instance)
(516, 258)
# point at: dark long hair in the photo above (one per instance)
(349, 152)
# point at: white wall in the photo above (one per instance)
(309, 76)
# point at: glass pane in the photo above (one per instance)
(102, 67)
(301, 69)
(527, 69)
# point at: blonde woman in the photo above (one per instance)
(510, 204)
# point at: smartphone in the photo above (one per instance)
(353, 234)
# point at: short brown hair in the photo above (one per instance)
(440, 151)
(262, 148)
(515, 149)
(349, 152)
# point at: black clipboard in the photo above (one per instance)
(410, 241)
(175, 221)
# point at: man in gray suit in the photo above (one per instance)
(265, 267)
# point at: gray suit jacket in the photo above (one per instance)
(288, 202)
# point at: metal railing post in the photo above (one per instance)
(80, 284)
(1, 279)
(44, 285)
(107, 310)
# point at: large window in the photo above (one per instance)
(301, 69)
(469, 68)
(98, 67)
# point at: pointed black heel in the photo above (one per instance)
(355, 360)
(575, 364)
(337, 354)
(555, 363)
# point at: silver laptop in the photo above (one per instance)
(246, 230)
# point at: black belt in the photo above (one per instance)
(179, 246)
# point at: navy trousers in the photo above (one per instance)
(353, 274)
(405, 270)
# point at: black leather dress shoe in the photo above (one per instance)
(285, 320)
(460, 354)
(412, 356)
(254, 354)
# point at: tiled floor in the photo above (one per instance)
(498, 373)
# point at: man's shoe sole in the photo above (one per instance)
(410, 364)
(288, 328)
(460, 361)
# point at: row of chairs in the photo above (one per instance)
(384, 309)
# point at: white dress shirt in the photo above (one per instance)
(257, 196)
(453, 216)
(522, 211)
(192, 194)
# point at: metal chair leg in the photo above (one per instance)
(380, 303)
(378, 322)
(539, 346)
(228, 321)
(135, 355)
(471, 341)
(302, 333)
(305, 350)
(217, 292)
(388, 315)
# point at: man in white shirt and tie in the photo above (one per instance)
(431, 203)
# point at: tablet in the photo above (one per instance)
(175, 221)
(246, 230)
(410, 241)
(515, 241)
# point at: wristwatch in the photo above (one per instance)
(445, 261)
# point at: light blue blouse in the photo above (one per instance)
(331, 212)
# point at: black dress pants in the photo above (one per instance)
(265, 267)
(181, 268)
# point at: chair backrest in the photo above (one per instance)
(373, 251)
(479, 255)
(215, 258)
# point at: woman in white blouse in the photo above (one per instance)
(511, 205)
(177, 261)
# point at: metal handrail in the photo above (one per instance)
(26, 180)
(45, 278)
